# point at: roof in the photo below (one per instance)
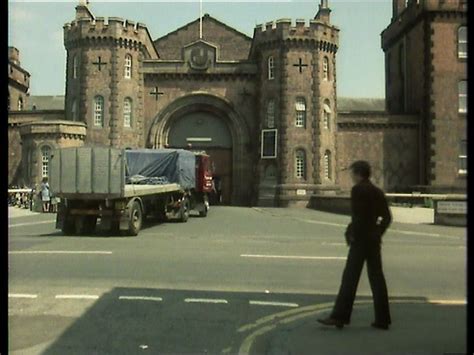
(349, 104)
(43, 102)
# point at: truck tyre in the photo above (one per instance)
(68, 226)
(90, 223)
(184, 210)
(203, 213)
(136, 219)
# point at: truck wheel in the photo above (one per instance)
(136, 219)
(68, 226)
(203, 213)
(184, 210)
(89, 225)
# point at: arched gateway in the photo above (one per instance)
(210, 123)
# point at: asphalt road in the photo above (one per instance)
(206, 285)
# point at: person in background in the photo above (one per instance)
(45, 194)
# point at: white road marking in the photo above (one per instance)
(278, 304)
(141, 298)
(21, 295)
(322, 223)
(449, 302)
(416, 233)
(30, 223)
(294, 257)
(87, 297)
(337, 244)
(205, 300)
(99, 252)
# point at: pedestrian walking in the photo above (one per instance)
(370, 219)
(45, 194)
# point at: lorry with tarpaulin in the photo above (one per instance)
(116, 189)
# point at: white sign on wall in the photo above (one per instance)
(301, 192)
(452, 207)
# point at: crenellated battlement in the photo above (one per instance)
(286, 29)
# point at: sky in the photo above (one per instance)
(36, 29)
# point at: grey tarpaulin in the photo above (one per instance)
(176, 165)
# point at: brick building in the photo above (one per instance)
(265, 108)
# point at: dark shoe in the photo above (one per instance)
(331, 321)
(383, 326)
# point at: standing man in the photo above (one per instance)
(370, 219)
(45, 194)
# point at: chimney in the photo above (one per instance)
(14, 55)
(324, 12)
(398, 7)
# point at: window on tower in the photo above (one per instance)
(462, 168)
(271, 68)
(271, 114)
(300, 164)
(75, 66)
(99, 111)
(462, 95)
(300, 112)
(20, 104)
(127, 112)
(45, 154)
(326, 114)
(128, 66)
(327, 165)
(74, 110)
(326, 68)
(462, 42)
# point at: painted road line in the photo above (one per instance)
(414, 233)
(99, 252)
(449, 302)
(294, 257)
(320, 222)
(205, 300)
(86, 297)
(31, 223)
(141, 298)
(335, 244)
(277, 304)
(21, 295)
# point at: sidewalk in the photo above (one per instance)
(20, 212)
(417, 327)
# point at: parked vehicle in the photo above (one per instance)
(120, 188)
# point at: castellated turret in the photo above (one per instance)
(297, 75)
(104, 84)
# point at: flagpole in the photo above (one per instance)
(200, 19)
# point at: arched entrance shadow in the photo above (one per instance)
(221, 107)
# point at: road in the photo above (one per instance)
(206, 285)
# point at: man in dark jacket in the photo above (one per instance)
(370, 219)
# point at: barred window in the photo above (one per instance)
(462, 95)
(300, 112)
(45, 154)
(326, 115)
(462, 168)
(271, 113)
(99, 111)
(326, 68)
(300, 164)
(327, 165)
(128, 66)
(127, 112)
(462, 42)
(271, 68)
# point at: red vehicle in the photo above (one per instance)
(200, 196)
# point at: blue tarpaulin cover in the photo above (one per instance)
(156, 166)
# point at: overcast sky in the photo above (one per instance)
(35, 28)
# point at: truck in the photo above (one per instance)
(116, 189)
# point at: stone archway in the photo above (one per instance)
(220, 107)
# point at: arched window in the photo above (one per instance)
(300, 164)
(20, 104)
(462, 42)
(271, 68)
(271, 113)
(45, 154)
(300, 107)
(128, 66)
(99, 111)
(127, 112)
(327, 165)
(326, 68)
(327, 115)
(75, 66)
(74, 110)
(462, 95)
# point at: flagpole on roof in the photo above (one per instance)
(200, 19)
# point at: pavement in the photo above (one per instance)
(240, 281)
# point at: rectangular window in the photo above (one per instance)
(271, 68)
(99, 111)
(300, 107)
(269, 144)
(462, 42)
(462, 95)
(300, 165)
(462, 169)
